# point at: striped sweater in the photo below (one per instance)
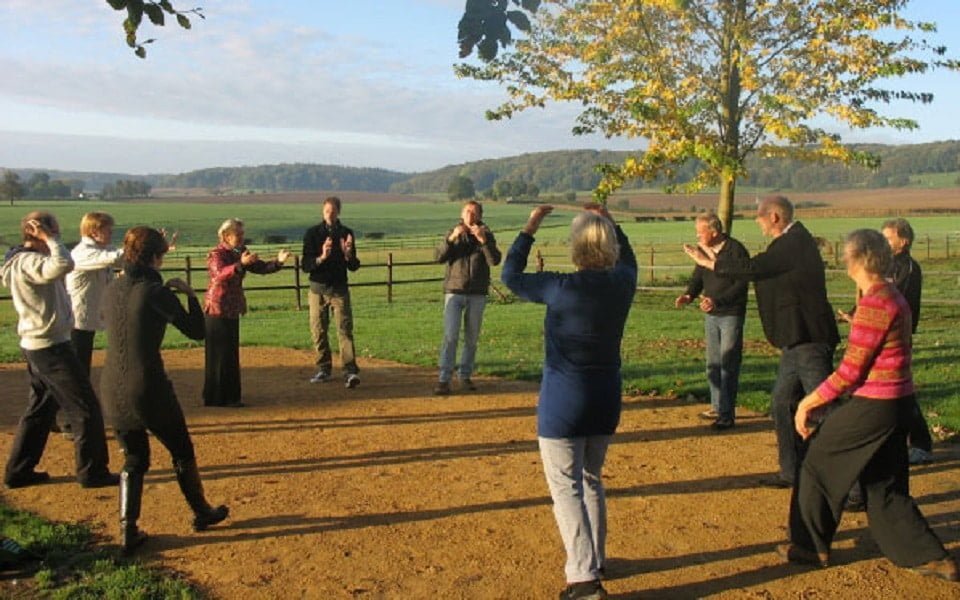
(877, 361)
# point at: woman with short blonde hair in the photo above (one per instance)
(593, 242)
(580, 392)
(94, 259)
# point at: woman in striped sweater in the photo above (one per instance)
(864, 439)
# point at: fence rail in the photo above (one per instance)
(651, 261)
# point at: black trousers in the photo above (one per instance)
(82, 341)
(58, 381)
(863, 440)
(919, 432)
(83, 345)
(172, 433)
(221, 383)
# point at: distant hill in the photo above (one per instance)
(553, 172)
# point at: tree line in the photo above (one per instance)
(517, 177)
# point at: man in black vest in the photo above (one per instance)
(797, 318)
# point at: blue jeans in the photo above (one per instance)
(573, 469)
(724, 336)
(802, 368)
(469, 308)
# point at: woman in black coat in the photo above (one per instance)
(136, 393)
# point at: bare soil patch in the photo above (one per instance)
(869, 202)
(386, 491)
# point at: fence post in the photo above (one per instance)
(389, 277)
(948, 245)
(296, 281)
(186, 262)
(836, 253)
(928, 247)
(539, 261)
(652, 252)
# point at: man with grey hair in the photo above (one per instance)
(797, 318)
(724, 303)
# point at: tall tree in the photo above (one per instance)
(11, 187)
(711, 81)
(461, 188)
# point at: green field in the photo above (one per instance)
(663, 349)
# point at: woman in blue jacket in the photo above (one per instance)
(579, 406)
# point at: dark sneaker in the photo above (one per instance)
(584, 590)
(796, 554)
(352, 380)
(919, 456)
(101, 481)
(320, 376)
(442, 389)
(945, 568)
(468, 384)
(27, 479)
(721, 424)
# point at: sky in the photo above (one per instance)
(365, 83)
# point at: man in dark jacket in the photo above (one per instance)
(469, 250)
(906, 274)
(328, 252)
(797, 318)
(724, 302)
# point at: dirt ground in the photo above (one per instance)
(386, 491)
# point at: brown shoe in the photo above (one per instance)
(945, 568)
(796, 554)
(442, 389)
(709, 415)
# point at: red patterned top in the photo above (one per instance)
(877, 361)
(224, 297)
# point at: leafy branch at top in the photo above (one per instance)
(154, 10)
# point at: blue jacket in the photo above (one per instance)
(580, 392)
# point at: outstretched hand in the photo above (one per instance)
(283, 255)
(537, 215)
(598, 209)
(702, 256)
(171, 238)
(178, 285)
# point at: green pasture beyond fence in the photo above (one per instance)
(397, 294)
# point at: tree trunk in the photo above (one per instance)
(728, 187)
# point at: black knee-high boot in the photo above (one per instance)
(131, 493)
(188, 476)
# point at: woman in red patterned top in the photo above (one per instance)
(864, 439)
(227, 264)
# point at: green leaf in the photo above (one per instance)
(165, 5)
(117, 4)
(519, 20)
(183, 21)
(154, 13)
(135, 12)
(141, 52)
(530, 5)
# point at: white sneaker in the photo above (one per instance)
(919, 456)
(352, 381)
(320, 376)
